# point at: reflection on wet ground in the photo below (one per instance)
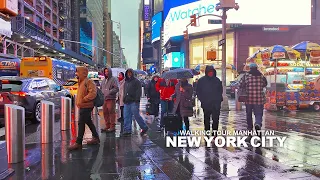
(147, 157)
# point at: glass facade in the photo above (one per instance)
(198, 54)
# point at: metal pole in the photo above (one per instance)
(76, 109)
(47, 122)
(65, 113)
(15, 132)
(96, 119)
(225, 103)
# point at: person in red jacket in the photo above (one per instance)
(166, 88)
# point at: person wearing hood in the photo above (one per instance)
(209, 91)
(120, 94)
(110, 88)
(154, 96)
(254, 83)
(87, 92)
(131, 99)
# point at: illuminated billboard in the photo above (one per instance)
(251, 12)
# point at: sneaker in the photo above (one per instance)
(126, 134)
(143, 132)
(74, 147)
(257, 127)
(93, 141)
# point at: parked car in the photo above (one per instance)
(234, 85)
(72, 85)
(28, 93)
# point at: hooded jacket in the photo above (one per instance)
(153, 94)
(166, 91)
(109, 86)
(132, 88)
(87, 90)
(209, 89)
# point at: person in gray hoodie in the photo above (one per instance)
(110, 88)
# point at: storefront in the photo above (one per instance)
(199, 47)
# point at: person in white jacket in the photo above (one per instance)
(120, 94)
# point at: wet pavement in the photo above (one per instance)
(148, 157)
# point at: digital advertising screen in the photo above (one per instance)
(156, 27)
(86, 36)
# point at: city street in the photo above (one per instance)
(147, 157)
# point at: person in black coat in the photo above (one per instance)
(154, 96)
(209, 92)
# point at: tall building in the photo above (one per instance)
(92, 29)
(108, 32)
(37, 28)
(118, 57)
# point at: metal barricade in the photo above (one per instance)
(238, 104)
(15, 132)
(76, 109)
(65, 120)
(47, 122)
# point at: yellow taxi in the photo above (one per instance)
(72, 85)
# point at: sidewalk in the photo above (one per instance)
(147, 157)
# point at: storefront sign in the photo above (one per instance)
(146, 12)
(179, 17)
(278, 55)
(275, 29)
(5, 28)
(9, 6)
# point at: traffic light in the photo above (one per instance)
(62, 44)
(193, 20)
(185, 34)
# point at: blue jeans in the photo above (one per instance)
(130, 110)
(166, 106)
(257, 109)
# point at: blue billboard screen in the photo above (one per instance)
(156, 27)
(168, 4)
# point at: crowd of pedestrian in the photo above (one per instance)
(174, 96)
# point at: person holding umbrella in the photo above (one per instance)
(183, 105)
(166, 88)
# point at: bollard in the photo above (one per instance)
(238, 104)
(65, 121)
(15, 132)
(47, 122)
(96, 119)
(76, 109)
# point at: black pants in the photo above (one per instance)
(183, 119)
(121, 111)
(85, 118)
(155, 106)
(215, 113)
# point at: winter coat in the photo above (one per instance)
(183, 100)
(254, 83)
(121, 92)
(109, 86)
(132, 88)
(87, 90)
(152, 92)
(166, 91)
(209, 90)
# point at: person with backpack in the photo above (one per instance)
(131, 99)
(110, 88)
(86, 97)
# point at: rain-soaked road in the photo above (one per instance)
(148, 158)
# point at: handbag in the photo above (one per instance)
(242, 93)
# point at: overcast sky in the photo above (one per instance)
(126, 12)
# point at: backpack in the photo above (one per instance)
(99, 99)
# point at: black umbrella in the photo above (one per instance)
(178, 74)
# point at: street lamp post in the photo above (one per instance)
(225, 5)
